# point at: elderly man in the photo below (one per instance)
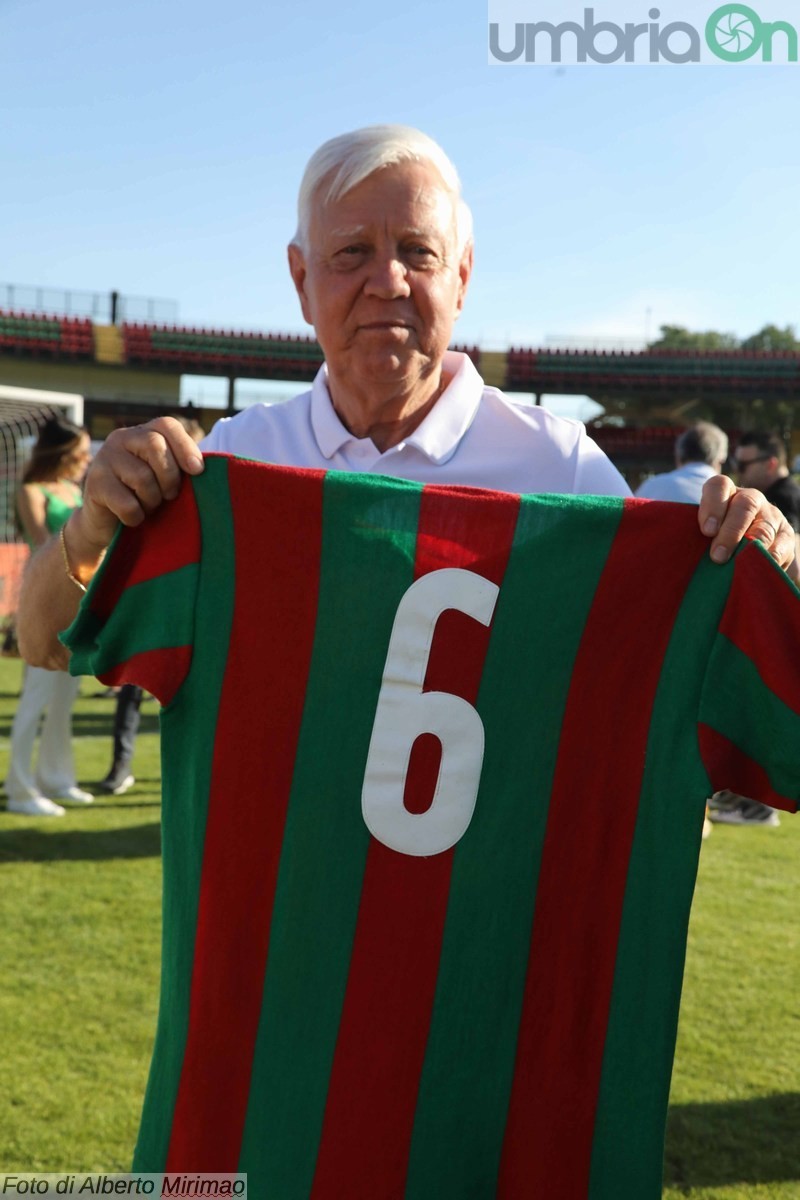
(381, 262)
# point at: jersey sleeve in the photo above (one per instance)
(749, 718)
(136, 621)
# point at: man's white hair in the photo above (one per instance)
(702, 442)
(342, 163)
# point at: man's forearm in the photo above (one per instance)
(48, 603)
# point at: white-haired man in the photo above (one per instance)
(381, 262)
(700, 454)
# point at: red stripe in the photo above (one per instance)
(591, 820)
(760, 618)
(729, 767)
(160, 672)
(142, 556)
(381, 1045)
(277, 534)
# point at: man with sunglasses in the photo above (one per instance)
(761, 463)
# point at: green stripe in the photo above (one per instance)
(189, 723)
(80, 637)
(469, 1064)
(640, 1041)
(325, 841)
(765, 728)
(153, 615)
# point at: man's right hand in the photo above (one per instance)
(135, 471)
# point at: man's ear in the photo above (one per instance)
(297, 270)
(464, 275)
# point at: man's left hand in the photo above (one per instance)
(727, 514)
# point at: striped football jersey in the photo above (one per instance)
(435, 763)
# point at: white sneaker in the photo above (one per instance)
(76, 794)
(35, 806)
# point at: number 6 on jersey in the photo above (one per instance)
(404, 712)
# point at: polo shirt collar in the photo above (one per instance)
(437, 437)
(698, 469)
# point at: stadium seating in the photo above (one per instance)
(34, 336)
(594, 371)
(200, 351)
(471, 352)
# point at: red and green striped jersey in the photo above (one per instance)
(434, 772)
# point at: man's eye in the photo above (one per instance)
(421, 254)
(346, 258)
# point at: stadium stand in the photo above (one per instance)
(650, 441)
(220, 353)
(33, 336)
(731, 372)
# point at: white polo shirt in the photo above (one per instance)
(473, 436)
(684, 484)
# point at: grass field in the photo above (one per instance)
(79, 955)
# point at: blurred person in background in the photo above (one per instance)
(761, 463)
(49, 493)
(700, 453)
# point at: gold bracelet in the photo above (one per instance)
(68, 569)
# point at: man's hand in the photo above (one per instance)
(135, 472)
(727, 514)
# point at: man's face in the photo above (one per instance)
(755, 468)
(381, 279)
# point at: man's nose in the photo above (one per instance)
(388, 277)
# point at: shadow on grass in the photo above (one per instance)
(142, 785)
(93, 725)
(112, 803)
(80, 845)
(84, 723)
(734, 1142)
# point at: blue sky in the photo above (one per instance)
(156, 147)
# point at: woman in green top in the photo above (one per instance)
(50, 491)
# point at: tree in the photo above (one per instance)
(772, 338)
(677, 337)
